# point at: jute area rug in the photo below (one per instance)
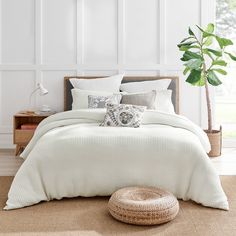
(89, 217)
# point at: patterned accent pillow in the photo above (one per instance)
(101, 101)
(123, 115)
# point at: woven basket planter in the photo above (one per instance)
(215, 139)
(143, 206)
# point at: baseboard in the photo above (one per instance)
(229, 143)
(6, 141)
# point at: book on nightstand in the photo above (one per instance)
(28, 126)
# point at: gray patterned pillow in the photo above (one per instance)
(123, 115)
(101, 101)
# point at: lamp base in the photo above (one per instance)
(45, 108)
(29, 112)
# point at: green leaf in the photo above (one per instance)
(186, 70)
(184, 40)
(219, 63)
(194, 64)
(188, 55)
(231, 56)
(200, 28)
(185, 44)
(186, 48)
(205, 33)
(216, 53)
(223, 42)
(190, 32)
(201, 82)
(227, 42)
(194, 77)
(213, 79)
(210, 28)
(208, 41)
(205, 51)
(223, 72)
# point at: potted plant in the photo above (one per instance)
(204, 57)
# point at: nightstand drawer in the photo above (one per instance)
(24, 124)
(23, 136)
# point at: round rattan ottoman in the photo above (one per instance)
(143, 205)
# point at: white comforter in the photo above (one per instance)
(71, 155)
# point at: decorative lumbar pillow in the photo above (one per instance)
(80, 97)
(145, 86)
(101, 101)
(108, 84)
(123, 115)
(141, 99)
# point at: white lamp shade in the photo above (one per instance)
(43, 91)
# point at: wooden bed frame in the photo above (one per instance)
(174, 86)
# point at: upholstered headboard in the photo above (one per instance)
(174, 86)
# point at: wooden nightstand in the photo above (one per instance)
(21, 137)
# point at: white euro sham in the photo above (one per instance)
(145, 86)
(108, 84)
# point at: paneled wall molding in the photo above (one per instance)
(80, 34)
(162, 25)
(38, 32)
(121, 35)
(207, 13)
(6, 129)
(1, 110)
(82, 67)
(38, 43)
(89, 37)
(0, 36)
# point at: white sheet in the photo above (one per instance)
(71, 155)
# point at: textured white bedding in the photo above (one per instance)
(71, 155)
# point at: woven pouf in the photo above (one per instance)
(143, 205)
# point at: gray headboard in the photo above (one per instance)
(174, 86)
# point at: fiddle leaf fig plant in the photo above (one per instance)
(205, 56)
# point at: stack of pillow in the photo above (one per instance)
(91, 93)
(124, 108)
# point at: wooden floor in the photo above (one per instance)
(9, 164)
(225, 164)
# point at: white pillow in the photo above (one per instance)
(80, 97)
(164, 102)
(109, 84)
(145, 86)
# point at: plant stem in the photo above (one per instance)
(208, 102)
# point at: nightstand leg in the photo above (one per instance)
(17, 151)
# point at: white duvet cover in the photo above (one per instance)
(71, 155)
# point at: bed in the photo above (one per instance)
(71, 155)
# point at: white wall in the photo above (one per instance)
(44, 40)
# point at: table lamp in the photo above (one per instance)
(42, 91)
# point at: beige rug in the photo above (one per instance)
(89, 216)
